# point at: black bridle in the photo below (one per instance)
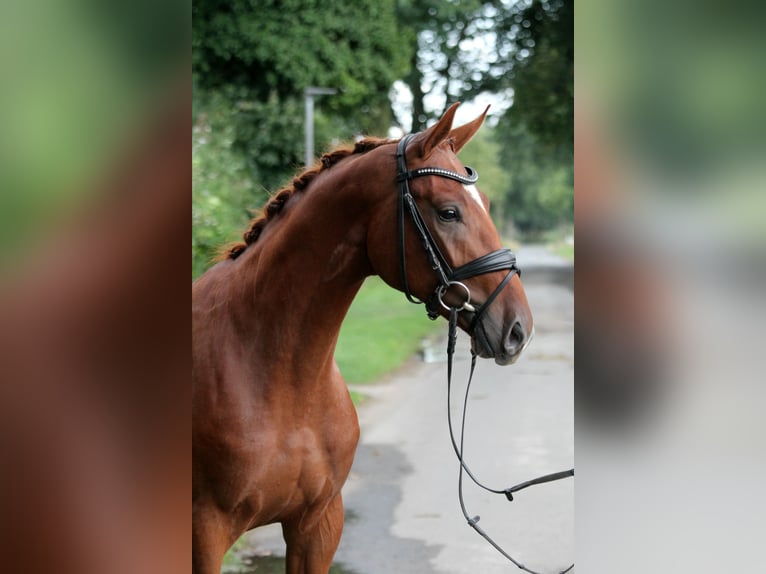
(498, 260)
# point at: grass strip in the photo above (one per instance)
(381, 331)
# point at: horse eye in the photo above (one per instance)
(449, 214)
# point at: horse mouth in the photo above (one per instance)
(481, 345)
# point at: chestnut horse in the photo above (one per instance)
(274, 429)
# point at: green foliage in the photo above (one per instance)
(541, 71)
(268, 135)
(541, 191)
(537, 132)
(222, 188)
(76, 87)
(277, 49)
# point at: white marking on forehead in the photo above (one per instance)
(474, 193)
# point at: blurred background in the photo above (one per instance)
(669, 191)
(95, 101)
(80, 82)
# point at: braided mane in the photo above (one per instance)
(274, 206)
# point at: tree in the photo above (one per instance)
(261, 56)
(275, 49)
(537, 132)
(443, 60)
(522, 53)
(222, 189)
(251, 62)
(540, 195)
(542, 72)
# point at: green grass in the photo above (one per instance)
(564, 250)
(232, 561)
(560, 241)
(381, 331)
(356, 397)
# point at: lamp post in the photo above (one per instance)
(309, 94)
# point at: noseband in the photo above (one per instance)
(498, 260)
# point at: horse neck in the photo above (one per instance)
(300, 278)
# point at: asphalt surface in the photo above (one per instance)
(401, 498)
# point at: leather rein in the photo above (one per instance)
(498, 260)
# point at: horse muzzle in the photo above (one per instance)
(508, 346)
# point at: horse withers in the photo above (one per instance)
(274, 429)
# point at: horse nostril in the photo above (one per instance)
(516, 336)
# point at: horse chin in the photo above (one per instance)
(504, 360)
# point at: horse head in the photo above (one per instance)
(450, 254)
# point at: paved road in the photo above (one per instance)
(403, 514)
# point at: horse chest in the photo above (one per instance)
(301, 456)
(320, 448)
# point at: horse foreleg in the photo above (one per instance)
(312, 540)
(211, 538)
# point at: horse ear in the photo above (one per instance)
(437, 133)
(462, 135)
